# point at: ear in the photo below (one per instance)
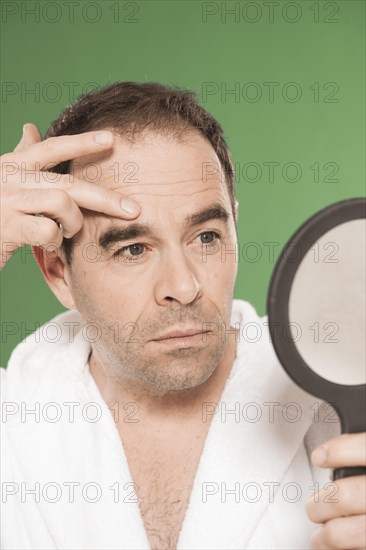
(236, 210)
(56, 274)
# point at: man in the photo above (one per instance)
(198, 439)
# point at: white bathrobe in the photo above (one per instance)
(65, 477)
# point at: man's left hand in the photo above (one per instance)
(343, 517)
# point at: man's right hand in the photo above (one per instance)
(27, 190)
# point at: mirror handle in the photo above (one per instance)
(352, 423)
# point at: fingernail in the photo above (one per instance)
(319, 456)
(103, 138)
(129, 206)
(23, 128)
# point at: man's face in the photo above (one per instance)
(170, 274)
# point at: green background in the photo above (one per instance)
(319, 46)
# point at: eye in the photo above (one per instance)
(208, 237)
(135, 249)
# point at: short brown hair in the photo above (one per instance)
(129, 108)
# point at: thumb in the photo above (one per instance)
(30, 136)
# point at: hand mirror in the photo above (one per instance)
(316, 312)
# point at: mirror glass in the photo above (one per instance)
(327, 305)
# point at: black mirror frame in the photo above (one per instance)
(348, 401)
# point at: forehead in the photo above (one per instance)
(169, 178)
(152, 160)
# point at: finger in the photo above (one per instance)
(39, 231)
(30, 136)
(100, 199)
(87, 195)
(348, 499)
(348, 532)
(52, 151)
(341, 451)
(57, 205)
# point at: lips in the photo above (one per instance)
(180, 334)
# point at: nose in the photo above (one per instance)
(177, 280)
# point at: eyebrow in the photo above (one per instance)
(134, 230)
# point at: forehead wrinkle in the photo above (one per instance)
(149, 154)
(135, 185)
(167, 194)
(211, 183)
(108, 178)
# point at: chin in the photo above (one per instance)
(180, 377)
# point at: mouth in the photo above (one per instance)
(183, 338)
(180, 334)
